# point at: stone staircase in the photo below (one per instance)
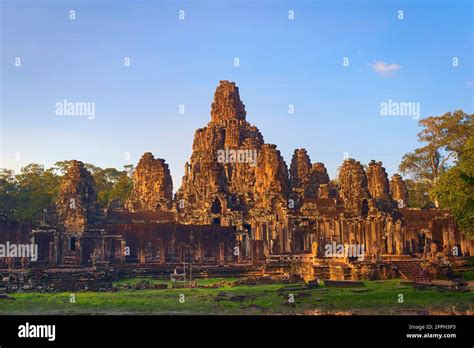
(69, 261)
(408, 269)
(275, 269)
(340, 272)
(321, 271)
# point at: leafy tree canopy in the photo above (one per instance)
(25, 195)
(443, 139)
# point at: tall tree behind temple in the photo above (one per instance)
(24, 196)
(8, 192)
(112, 184)
(418, 193)
(455, 187)
(443, 139)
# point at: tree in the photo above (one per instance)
(112, 184)
(455, 188)
(8, 192)
(443, 138)
(26, 195)
(60, 167)
(418, 193)
(122, 189)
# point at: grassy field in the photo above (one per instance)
(376, 297)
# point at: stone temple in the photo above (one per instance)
(244, 212)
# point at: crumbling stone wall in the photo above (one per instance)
(55, 280)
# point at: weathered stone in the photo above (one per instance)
(76, 205)
(227, 104)
(231, 170)
(300, 169)
(271, 184)
(55, 280)
(324, 191)
(152, 186)
(300, 175)
(399, 191)
(306, 178)
(377, 178)
(319, 174)
(353, 186)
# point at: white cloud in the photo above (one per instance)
(384, 68)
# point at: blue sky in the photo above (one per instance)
(173, 62)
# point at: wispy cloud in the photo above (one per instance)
(470, 84)
(385, 69)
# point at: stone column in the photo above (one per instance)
(181, 252)
(79, 244)
(102, 246)
(142, 256)
(162, 252)
(390, 229)
(239, 255)
(53, 257)
(123, 245)
(221, 253)
(337, 228)
(398, 239)
(199, 252)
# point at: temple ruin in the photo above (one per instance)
(241, 216)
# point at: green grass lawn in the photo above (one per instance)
(377, 297)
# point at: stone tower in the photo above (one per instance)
(300, 174)
(227, 104)
(399, 191)
(231, 169)
(306, 178)
(378, 181)
(152, 186)
(353, 186)
(319, 174)
(76, 205)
